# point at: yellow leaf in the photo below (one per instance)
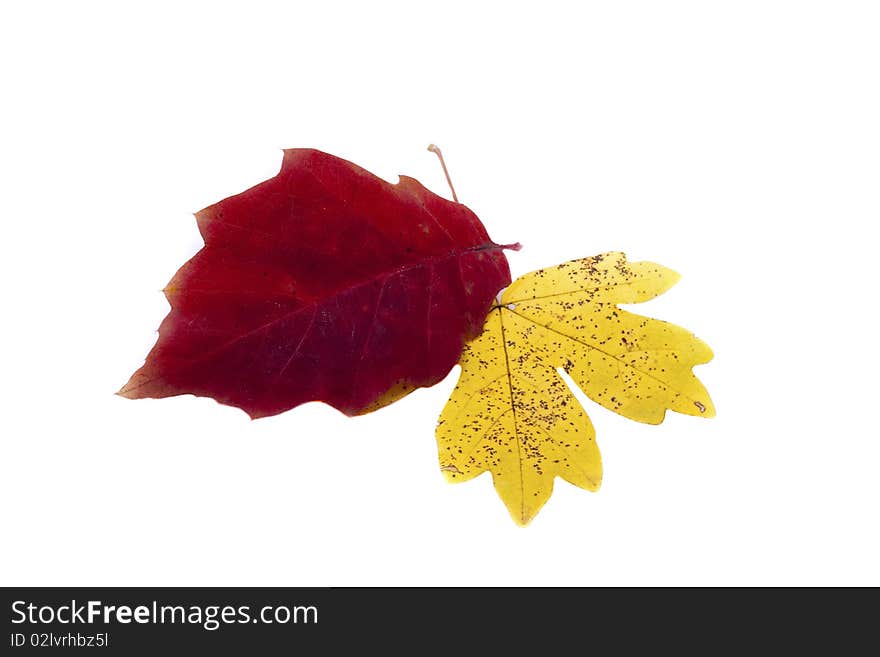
(513, 415)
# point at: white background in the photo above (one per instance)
(736, 142)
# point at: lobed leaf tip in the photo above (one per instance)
(523, 517)
(126, 391)
(705, 407)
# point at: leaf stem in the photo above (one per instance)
(434, 149)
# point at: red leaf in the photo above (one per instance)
(323, 283)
